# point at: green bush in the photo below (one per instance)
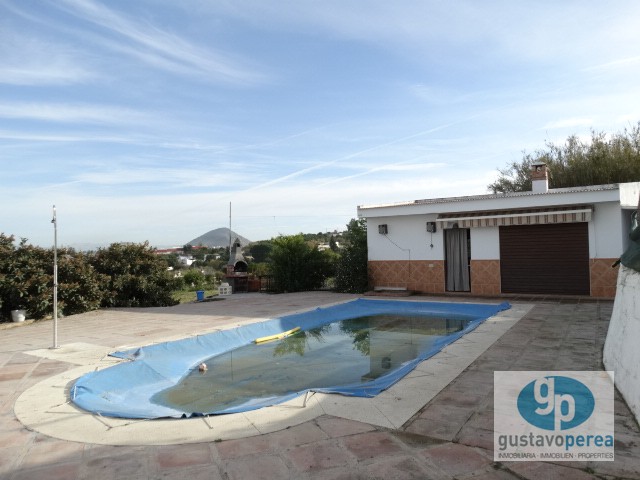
(80, 287)
(193, 279)
(179, 283)
(137, 277)
(258, 269)
(296, 266)
(26, 280)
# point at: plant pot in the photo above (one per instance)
(18, 315)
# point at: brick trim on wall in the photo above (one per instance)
(603, 277)
(425, 276)
(428, 276)
(485, 277)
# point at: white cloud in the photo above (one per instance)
(32, 61)
(176, 177)
(569, 123)
(158, 47)
(504, 31)
(71, 113)
(66, 137)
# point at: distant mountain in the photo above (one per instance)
(218, 238)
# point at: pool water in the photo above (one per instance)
(347, 352)
(358, 348)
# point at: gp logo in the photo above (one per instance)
(556, 403)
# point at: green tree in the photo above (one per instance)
(137, 276)
(603, 160)
(296, 266)
(172, 260)
(261, 250)
(351, 271)
(259, 269)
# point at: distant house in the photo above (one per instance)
(546, 241)
(168, 251)
(186, 260)
(326, 246)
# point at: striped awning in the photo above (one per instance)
(531, 216)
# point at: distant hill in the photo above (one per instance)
(218, 238)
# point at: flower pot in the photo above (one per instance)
(18, 315)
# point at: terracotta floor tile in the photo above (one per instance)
(320, 455)
(50, 472)
(257, 467)
(243, 446)
(400, 468)
(51, 451)
(371, 445)
(183, 455)
(456, 460)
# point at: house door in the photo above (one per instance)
(457, 259)
(551, 259)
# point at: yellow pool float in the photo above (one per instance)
(277, 336)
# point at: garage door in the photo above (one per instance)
(552, 259)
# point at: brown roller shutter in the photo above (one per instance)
(551, 259)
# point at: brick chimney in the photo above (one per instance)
(539, 178)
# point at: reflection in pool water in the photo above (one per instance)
(347, 352)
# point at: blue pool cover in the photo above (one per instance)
(125, 390)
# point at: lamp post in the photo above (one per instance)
(55, 279)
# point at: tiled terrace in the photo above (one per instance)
(451, 437)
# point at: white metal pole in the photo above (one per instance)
(55, 279)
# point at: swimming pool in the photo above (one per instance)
(162, 380)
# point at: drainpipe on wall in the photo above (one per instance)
(539, 178)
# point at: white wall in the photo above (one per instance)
(485, 243)
(629, 194)
(606, 231)
(621, 353)
(410, 233)
(407, 238)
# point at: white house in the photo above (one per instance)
(547, 241)
(186, 260)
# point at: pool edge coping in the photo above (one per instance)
(45, 407)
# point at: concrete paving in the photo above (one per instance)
(45, 407)
(451, 436)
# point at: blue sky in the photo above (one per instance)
(143, 120)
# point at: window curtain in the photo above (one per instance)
(457, 260)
